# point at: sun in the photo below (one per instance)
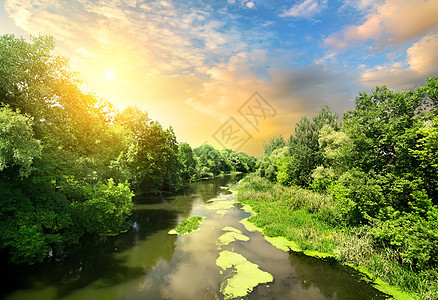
(110, 75)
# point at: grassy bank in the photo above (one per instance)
(305, 217)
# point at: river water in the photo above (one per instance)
(148, 263)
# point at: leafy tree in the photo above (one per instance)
(426, 151)
(18, 147)
(267, 164)
(336, 148)
(133, 118)
(187, 161)
(304, 146)
(385, 129)
(157, 159)
(106, 207)
(209, 161)
(226, 163)
(275, 143)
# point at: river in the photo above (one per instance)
(148, 263)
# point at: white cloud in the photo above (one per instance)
(250, 4)
(305, 9)
(171, 37)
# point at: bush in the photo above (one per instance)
(30, 245)
(358, 197)
(414, 237)
(106, 208)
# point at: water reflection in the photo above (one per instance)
(331, 279)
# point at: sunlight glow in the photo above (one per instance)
(110, 75)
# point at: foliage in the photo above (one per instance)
(275, 143)
(106, 207)
(304, 146)
(187, 161)
(212, 162)
(267, 164)
(17, 145)
(208, 161)
(284, 170)
(156, 163)
(357, 196)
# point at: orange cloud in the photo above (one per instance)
(388, 23)
(421, 62)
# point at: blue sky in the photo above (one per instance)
(192, 64)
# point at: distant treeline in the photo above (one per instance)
(70, 162)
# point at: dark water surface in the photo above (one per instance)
(148, 263)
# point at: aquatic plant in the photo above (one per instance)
(247, 275)
(187, 225)
(232, 235)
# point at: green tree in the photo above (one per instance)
(304, 146)
(275, 143)
(426, 151)
(106, 207)
(226, 164)
(18, 147)
(209, 161)
(268, 164)
(157, 166)
(187, 161)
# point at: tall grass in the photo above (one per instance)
(309, 219)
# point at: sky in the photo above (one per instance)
(235, 73)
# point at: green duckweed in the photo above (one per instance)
(247, 275)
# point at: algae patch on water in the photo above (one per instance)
(247, 275)
(232, 235)
(221, 198)
(221, 206)
(283, 243)
(250, 226)
(187, 225)
(229, 228)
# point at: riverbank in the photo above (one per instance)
(300, 216)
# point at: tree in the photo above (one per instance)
(106, 207)
(304, 146)
(268, 164)
(208, 161)
(156, 163)
(275, 143)
(18, 147)
(426, 151)
(187, 161)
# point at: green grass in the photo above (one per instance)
(307, 218)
